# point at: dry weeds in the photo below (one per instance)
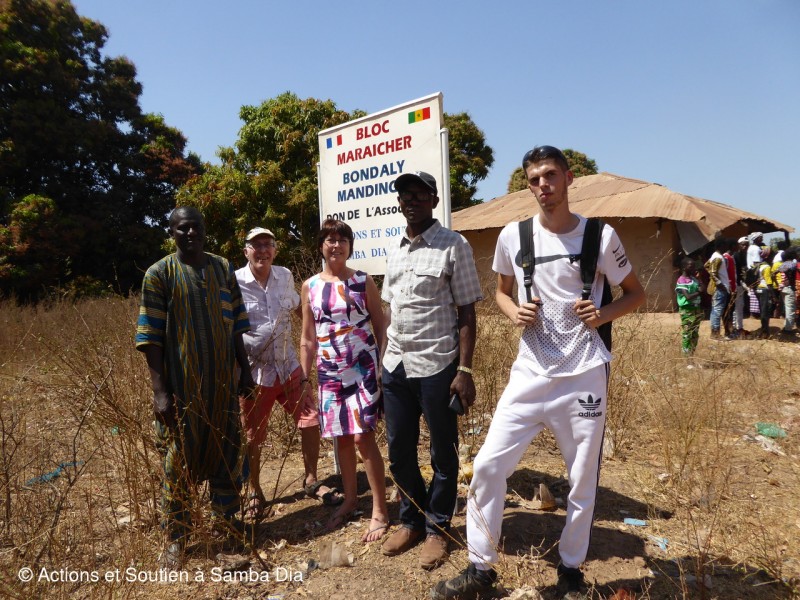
(680, 454)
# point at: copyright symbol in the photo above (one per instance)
(25, 574)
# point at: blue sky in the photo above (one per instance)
(700, 96)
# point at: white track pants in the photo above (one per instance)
(567, 406)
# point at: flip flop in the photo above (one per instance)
(384, 527)
(330, 498)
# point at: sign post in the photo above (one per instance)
(359, 162)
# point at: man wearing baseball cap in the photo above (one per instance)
(270, 297)
(431, 286)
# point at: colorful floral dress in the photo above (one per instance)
(347, 356)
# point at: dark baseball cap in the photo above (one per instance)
(425, 179)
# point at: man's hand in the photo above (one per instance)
(528, 312)
(464, 386)
(588, 313)
(164, 408)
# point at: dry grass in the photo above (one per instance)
(75, 392)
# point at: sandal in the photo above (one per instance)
(330, 498)
(383, 527)
(256, 505)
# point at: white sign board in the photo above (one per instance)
(359, 162)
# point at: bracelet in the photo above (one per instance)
(304, 380)
(464, 369)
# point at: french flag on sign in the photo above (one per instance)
(329, 141)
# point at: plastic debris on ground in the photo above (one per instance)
(766, 443)
(770, 430)
(53, 474)
(659, 541)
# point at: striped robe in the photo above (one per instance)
(193, 314)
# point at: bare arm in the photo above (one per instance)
(246, 384)
(632, 297)
(163, 402)
(523, 315)
(376, 314)
(308, 334)
(463, 383)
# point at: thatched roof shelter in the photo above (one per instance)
(654, 223)
(610, 196)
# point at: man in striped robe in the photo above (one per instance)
(191, 321)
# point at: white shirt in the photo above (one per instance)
(269, 342)
(753, 255)
(559, 343)
(722, 272)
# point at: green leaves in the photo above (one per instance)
(269, 178)
(579, 164)
(470, 159)
(72, 131)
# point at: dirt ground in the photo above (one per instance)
(673, 540)
(654, 560)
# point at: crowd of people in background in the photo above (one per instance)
(741, 278)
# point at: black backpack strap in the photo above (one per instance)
(527, 255)
(590, 251)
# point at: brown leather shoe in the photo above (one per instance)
(434, 551)
(403, 539)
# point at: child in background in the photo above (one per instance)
(688, 290)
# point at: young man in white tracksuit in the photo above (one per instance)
(559, 379)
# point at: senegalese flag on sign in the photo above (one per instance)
(329, 141)
(415, 116)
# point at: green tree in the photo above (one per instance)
(470, 159)
(517, 181)
(31, 244)
(269, 177)
(72, 132)
(579, 164)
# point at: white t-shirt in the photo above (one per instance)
(722, 273)
(753, 255)
(559, 343)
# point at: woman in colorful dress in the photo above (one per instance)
(343, 328)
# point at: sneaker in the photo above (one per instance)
(401, 540)
(471, 584)
(434, 551)
(171, 558)
(571, 581)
